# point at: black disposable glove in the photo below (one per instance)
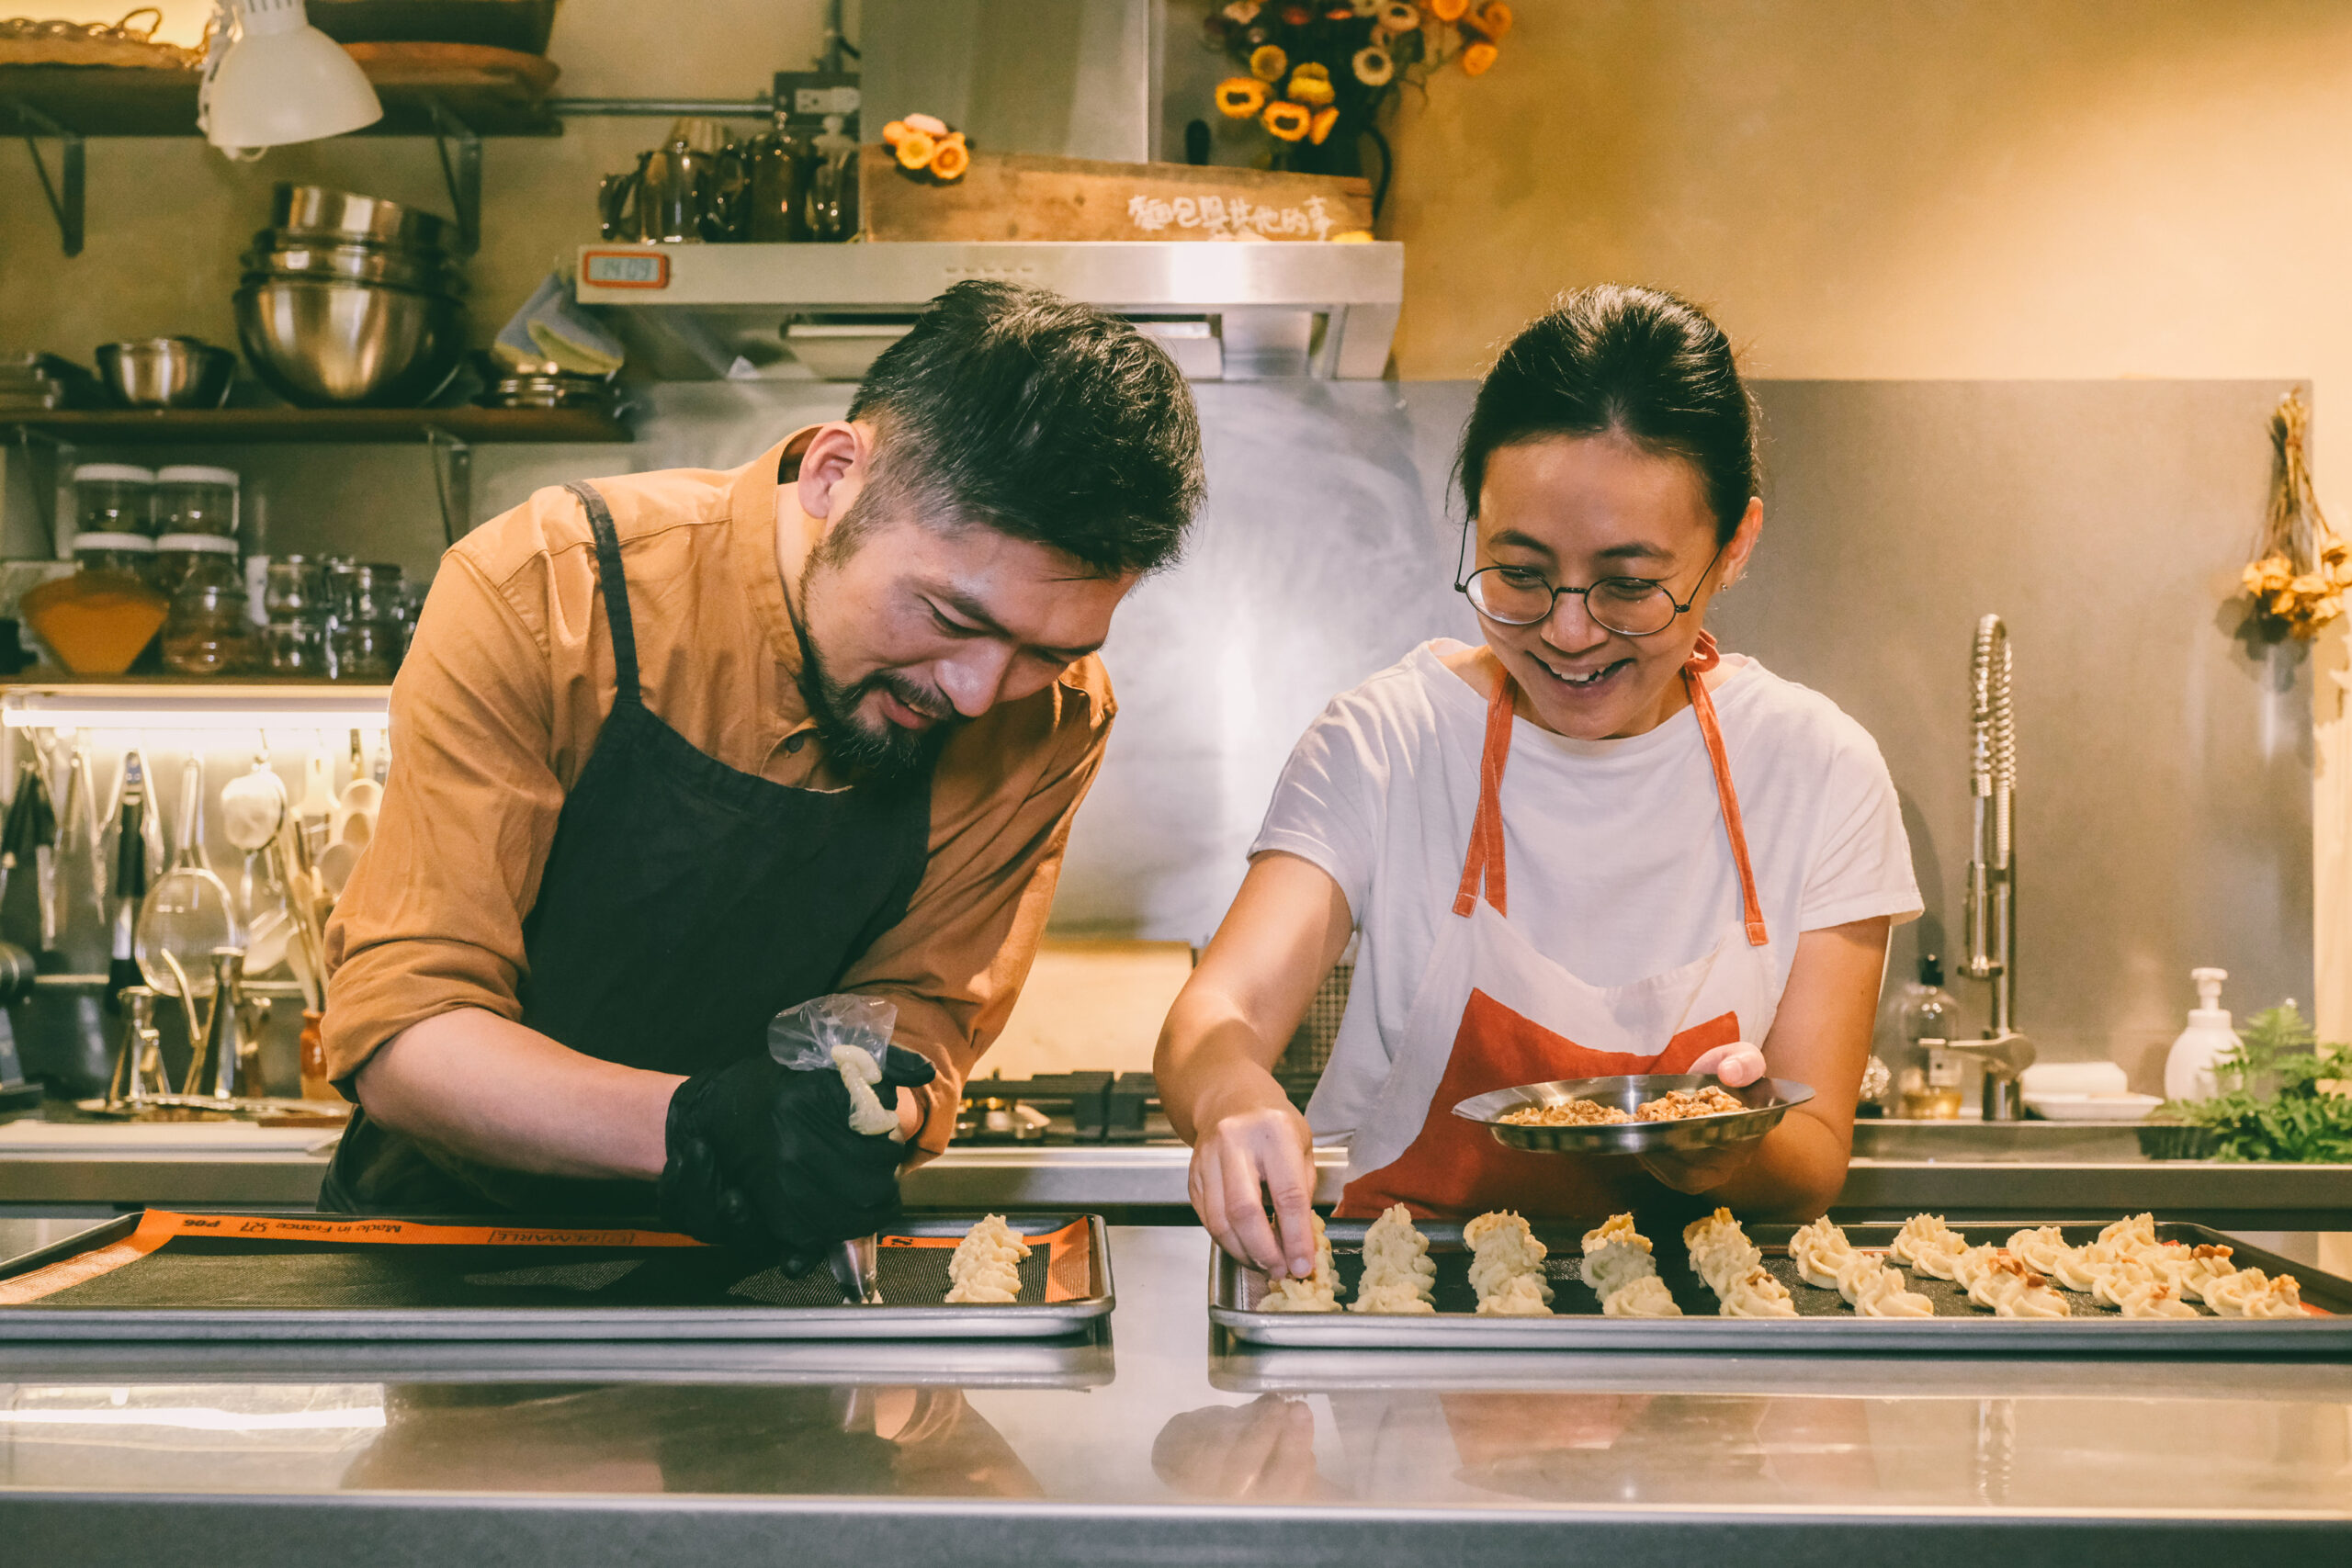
(761, 1159)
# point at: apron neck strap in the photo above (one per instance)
(615, 582)
(1483, 864)
(1702, 706)
(1484, 861)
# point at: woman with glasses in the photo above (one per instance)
(1593, 845)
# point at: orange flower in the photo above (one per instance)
(1448, 10)
(915, 148)
(1267, 63)
(1288, 121)
(1321, 129)
(892, 132)
(951, 158)
(1478, 59)
(1240, 98)
(1494, 18)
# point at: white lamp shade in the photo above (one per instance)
(270, 88)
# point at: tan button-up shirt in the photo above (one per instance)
(499, 703)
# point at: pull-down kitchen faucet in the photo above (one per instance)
(1991, 914)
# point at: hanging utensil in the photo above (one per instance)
(29, 833)
(315, 811)
(130, 872)
(82, 829)
(252, 809)
(190, 911)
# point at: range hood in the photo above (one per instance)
(1072, 78)
(1233, 312)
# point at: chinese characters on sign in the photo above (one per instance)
(1229, 215)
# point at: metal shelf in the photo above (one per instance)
(373, 427)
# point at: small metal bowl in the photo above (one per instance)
(1767, 1100)
(167, 373)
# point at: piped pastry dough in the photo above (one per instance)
(1618, 1267)
(986, 1268)
(1507, 1266)
(1397, 1271)
(1320, 1292)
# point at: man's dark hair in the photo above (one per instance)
(1041, 418)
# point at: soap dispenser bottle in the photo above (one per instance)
(1931, 1074)
(2188, 1066)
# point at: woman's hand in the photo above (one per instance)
(1251, 1142)
(1701, 1170)
(1739, 1064)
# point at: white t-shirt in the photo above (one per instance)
(1619, 866)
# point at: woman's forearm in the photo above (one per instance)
(1207, 1049)
(489, 1089)
(1798, 1170)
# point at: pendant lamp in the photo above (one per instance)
(271, 78)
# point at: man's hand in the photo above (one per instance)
(760, 1159)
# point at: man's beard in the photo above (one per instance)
(884, 753)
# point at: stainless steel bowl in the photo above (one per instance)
(325, 342)
(1766, 1099)
(364, 264)
(167, 373)
(316, 210)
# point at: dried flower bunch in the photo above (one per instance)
(924, 145)
(2302, 568)
(1316, 70)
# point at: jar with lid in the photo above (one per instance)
(191, 499)
(201, 559)
(102, 617)
(294, 600)
(114, 498)
(368, 637)
(209, 631)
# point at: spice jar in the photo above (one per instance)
(114, 498)
(208, 631)
(99, 620)
(204, 559)
(190, 499)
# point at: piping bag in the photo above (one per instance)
(849, 1034)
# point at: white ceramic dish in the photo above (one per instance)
(2092, 1107)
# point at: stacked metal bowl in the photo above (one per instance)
(352, 301)
(542, 384)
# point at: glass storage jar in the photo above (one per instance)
(102, 617)
(204, 559)
(190, 499)
(368, 637)
(114, 498)
(209, 632)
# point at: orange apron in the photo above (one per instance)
(1517, 1017)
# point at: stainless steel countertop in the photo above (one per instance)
(2048, 1169)
(1159, 1446)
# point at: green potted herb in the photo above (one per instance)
(2283, 1096)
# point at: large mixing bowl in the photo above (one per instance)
(317, 212)
(325, 342)
(167, 373)
(423, 271)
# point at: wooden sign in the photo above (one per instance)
(1010, 196)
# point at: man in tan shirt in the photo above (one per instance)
(829, 740)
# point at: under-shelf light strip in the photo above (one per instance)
(53, 713)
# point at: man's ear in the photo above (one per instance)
(834, 468)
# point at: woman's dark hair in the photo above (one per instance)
(1039, 417)
(1618, 360)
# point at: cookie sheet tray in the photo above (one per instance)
(1825, 1324)
(163, 1277)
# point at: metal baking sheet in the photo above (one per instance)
(59, 1318)
(1767, 1100)
(1825, 1324)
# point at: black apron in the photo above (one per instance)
(683, 905)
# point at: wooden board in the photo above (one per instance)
(1008, 195)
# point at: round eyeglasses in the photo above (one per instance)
(1629, 606)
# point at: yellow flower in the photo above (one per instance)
(1314, 68)
(1321, 129)
(1240, 98)
(951, 158)
(2308, 586)
(1448, 10)
(1308, 89)
(1267, 63)
(2269, 574)
(1374, 66)
(915, 148)
(1494, 18)
(893, 131)
(1478, 59)
(1287, 121)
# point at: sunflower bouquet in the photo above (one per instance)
(2301, 568)
(1318, 75)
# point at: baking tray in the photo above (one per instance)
(1767, 1100)
(1825, 1323)
(511, 1278)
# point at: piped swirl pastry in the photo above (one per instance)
(1398, 1270)
(986, 1266)
(1733, 1268)
(1622, 1274)
(1320, 1292)
(1507, 1266)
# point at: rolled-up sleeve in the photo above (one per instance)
(432, 918)
(956, 963)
